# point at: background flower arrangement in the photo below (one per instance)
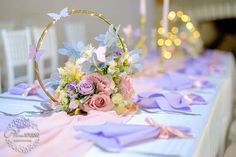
(98, 78)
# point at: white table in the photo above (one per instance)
(209, 129)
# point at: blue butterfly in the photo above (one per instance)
(52, 82)
(109, 39)
(74, 51)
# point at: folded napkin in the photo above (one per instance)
(168, 101)
(114, 137)
(25, 89)
(178, 81)
(209, 62)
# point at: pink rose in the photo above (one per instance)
(100, 102)
(126, 88)
(102, 83)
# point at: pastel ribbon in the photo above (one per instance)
(25, 89)
(32, 89)
(166, 131)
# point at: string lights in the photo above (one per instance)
(175, 36)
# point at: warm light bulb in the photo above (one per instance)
(175, 30)
(168, 42)
(160, 42)
(160, 30)
(185, 18)
(179, 13)
(171, 15)
(177, 42)
(189, 26)
(167, 54)
(196, 34)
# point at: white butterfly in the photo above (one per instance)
(63, 13)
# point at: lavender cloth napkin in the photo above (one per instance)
(114, 137)
(168, 101)
(200, 65)
(178, 81)
(21, 88)
(174, 81)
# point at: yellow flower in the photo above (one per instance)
(70, 72)
(77, 102)
(88, 51)
(126, 108)
(117, 98)
(63, 97)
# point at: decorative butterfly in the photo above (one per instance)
(73, 51)
(63, 13)
(101, 54)
(109, 39)
(128, 30)
(33, 54)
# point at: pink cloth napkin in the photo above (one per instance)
(57, 134)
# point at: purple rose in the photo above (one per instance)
(85, 87)
(71, 85)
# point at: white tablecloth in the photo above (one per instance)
(208, 130)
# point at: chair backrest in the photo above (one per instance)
(49, 44)
(8, 25)
(75, 31)
(16, 45)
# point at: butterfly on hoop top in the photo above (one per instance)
(33, 54)
(63, 13)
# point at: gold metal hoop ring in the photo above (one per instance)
(53, 22)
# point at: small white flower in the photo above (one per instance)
(101, 54)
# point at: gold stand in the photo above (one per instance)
(141, 42)
(162, 61)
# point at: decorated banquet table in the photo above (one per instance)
(59, 134)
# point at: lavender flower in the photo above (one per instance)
(118, 53)
(71, 85)
(85, 87)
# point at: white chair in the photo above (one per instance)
(16, 45)
(8, 25)
(49, 61)
(75, 31)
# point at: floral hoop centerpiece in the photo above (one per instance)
(97, 78)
